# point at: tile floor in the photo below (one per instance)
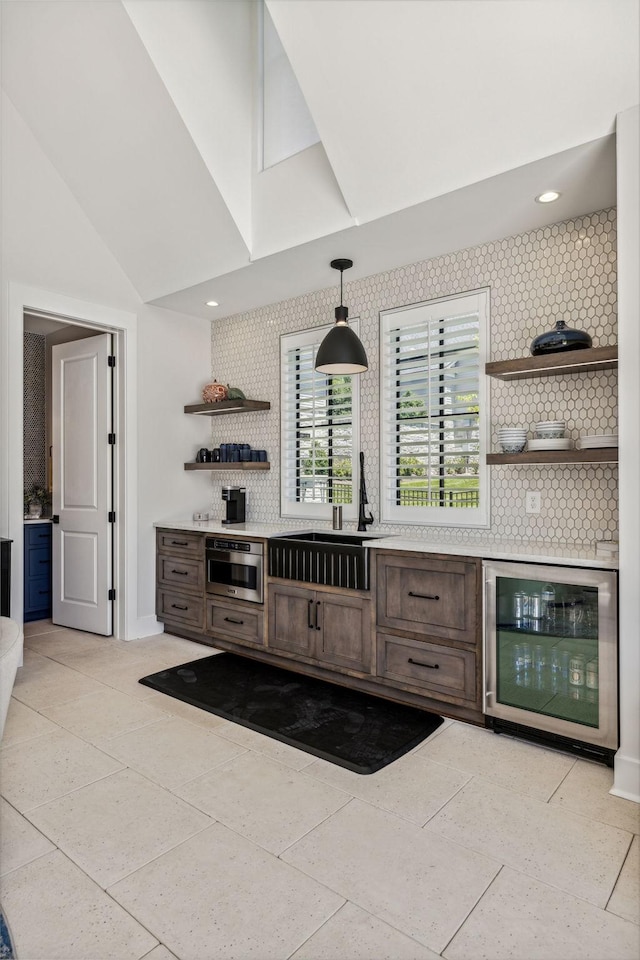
(133, 825)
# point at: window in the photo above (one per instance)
(287, 125)
(433, 412)
(319, 431)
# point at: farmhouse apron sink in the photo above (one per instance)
(336, 559)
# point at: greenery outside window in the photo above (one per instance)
(319, 418)
(434, 412)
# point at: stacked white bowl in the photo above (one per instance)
(549, 429)
(512, 439)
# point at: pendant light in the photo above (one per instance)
(341, 351)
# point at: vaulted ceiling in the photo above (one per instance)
(439, 121)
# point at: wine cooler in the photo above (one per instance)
(550, 656)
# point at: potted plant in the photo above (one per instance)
(35, 500)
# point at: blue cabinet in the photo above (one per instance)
(37, 571)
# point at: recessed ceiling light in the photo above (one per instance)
(212, 303)
(548, 196)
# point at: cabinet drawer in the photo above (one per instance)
(428, 595)
(37, 594)
(442, 671)
(38, 561)
(180, 608)
(239, 623)
(37, 535)
(181, 574)
(180, 544)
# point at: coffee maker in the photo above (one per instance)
(235, 498)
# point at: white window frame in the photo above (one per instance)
(293, 508)
(442, 307)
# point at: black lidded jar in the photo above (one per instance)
(560, 338)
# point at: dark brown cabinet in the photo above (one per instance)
(330, 627)
(415, 638)
(180, 579)
(427, 595)
(430, 667)
(239, 622)
(428, 638)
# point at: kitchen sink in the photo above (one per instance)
(332, 558)
(336, 536)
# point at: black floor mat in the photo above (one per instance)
(352, 729)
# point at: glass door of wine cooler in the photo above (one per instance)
(551, 650)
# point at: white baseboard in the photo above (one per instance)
(145, 627)
(626, 780)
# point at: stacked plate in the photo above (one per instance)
(512, 439)
(551, 443)
(549, 429)
(598, 440)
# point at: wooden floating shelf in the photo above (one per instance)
(598, 455)
(554, 364)
(229, 465)
(226, 406)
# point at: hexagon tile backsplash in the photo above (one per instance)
(563, 271)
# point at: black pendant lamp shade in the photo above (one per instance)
(341, 351)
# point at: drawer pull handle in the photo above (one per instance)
(418, 663)
(176, 606)
(43, 561)
(43, 591)
(179, 543)
(183, 573)
(231, 620)
(424, 596)
(309, 623)
(43, 536)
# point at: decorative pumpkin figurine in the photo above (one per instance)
(235, 393)
(213, 392)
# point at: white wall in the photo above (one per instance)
(627, 763)
(49, 245)
(174, 360)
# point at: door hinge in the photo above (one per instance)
(111, 438)
(111, 516)
(111, 361)
(112, 594)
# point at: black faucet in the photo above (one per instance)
(363, 519)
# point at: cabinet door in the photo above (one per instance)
(179, 544)
(292, 619)
(187, 576)
(429, 596)
(442, 672)
(244, 624)
(183, 609)
(344, 631)
(37, 597)
(37, 534)
(38, 561)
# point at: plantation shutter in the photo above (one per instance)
(431, 408)
(317, 426)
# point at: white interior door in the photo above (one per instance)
(82, 484)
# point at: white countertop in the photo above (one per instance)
(249, 529)
(566, 554)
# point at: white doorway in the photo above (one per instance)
(123, 327)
